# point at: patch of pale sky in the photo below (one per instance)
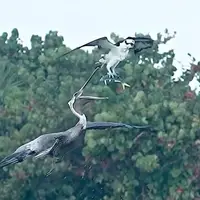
(82, 21)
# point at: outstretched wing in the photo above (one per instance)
(101, 43)
(142, 43)
(107, 125)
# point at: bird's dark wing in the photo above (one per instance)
(16, 157)
(142, 43)
(106, 125)
(101, 43)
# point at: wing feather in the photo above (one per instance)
(101, 43)
(141, 43)
(108, 125)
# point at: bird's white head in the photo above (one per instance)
(129, 43)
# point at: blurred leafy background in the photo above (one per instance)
(112, 165)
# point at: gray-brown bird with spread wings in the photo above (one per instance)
(50, 144)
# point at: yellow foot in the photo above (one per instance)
(124, 85)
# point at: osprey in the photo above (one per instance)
(117, 52)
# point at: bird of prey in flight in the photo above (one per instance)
(116, 52)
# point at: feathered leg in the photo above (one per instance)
(118, 79)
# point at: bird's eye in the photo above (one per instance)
(76, 94)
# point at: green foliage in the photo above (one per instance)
(113, 164)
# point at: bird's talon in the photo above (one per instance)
(110, 75)
(124, 85)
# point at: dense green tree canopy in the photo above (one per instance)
(112, 165)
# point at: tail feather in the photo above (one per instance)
(8, 161)
(106, 125)
(14, 158)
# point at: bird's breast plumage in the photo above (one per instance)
(119, 54)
